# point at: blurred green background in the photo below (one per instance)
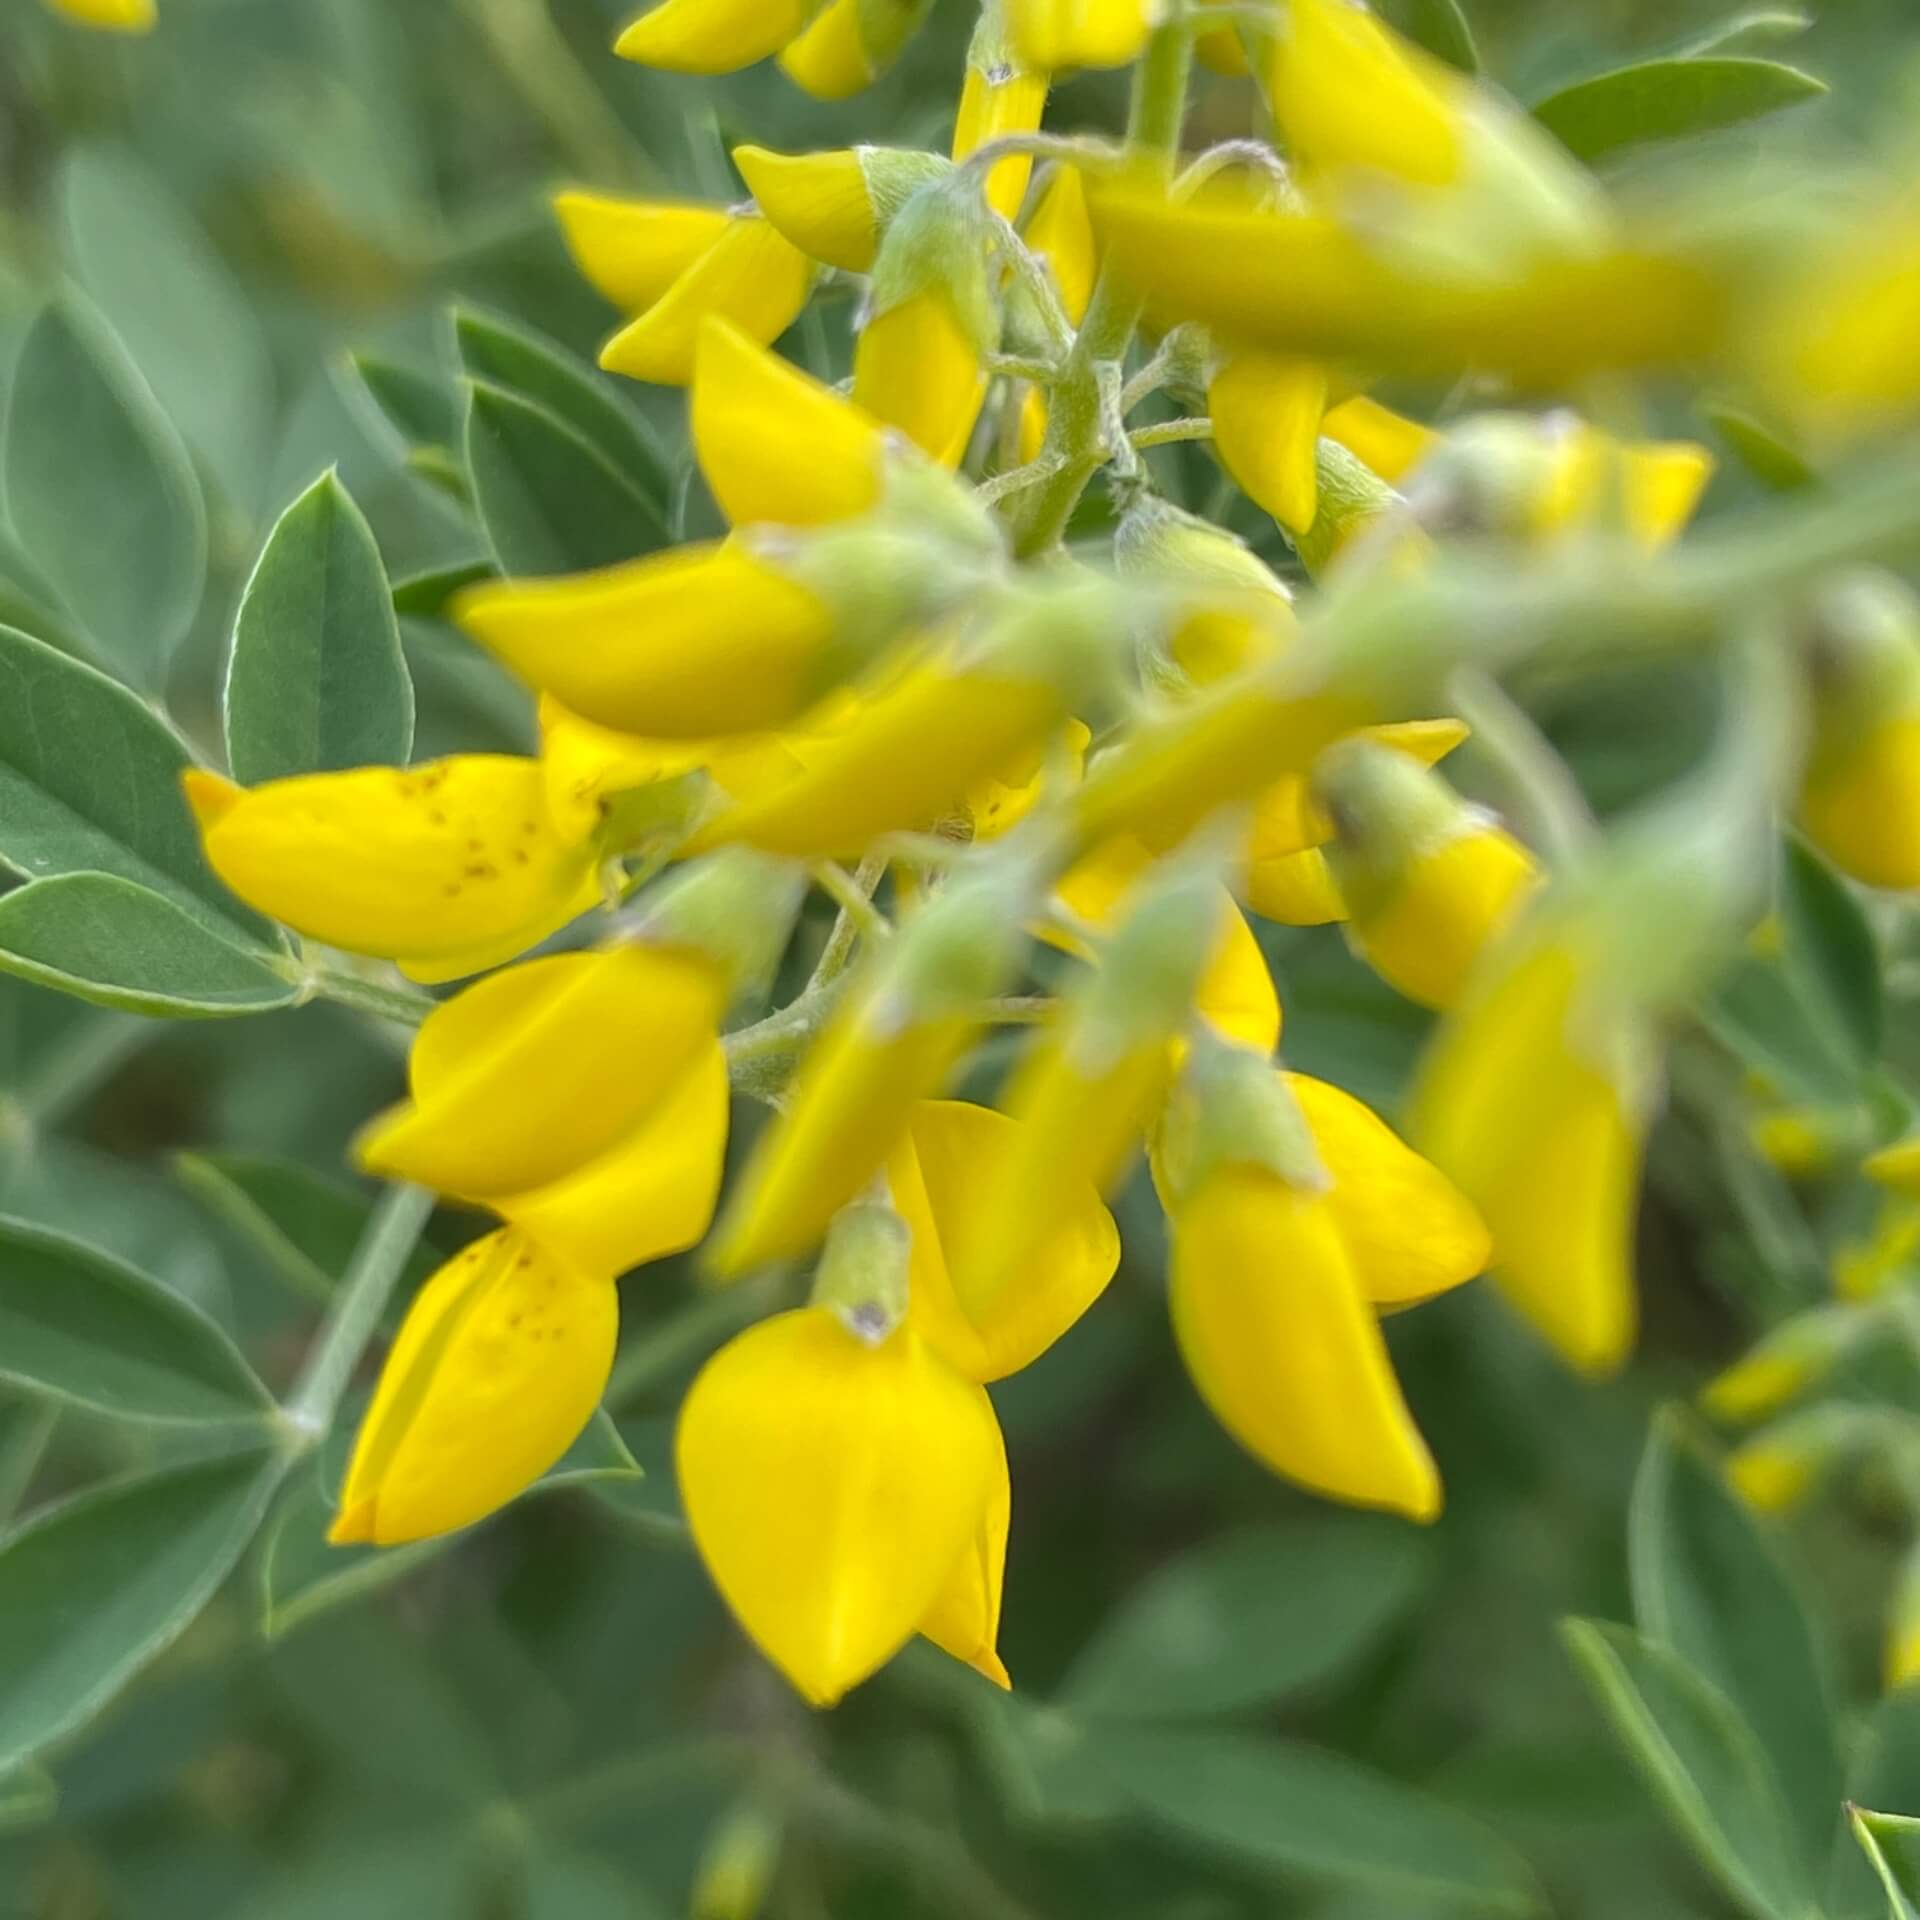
(1231, 1701)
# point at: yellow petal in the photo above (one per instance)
(1060, 232)
(651, 1194)
(850, 45)
(915, 367)
(996, 805)
(1349, 93)
(1006, 100)
(1652, 489)
(1266, 413)
(1518, 1107)
(499, 1364)
(114, 16)
(774, 444)
(1057, 34)
(1285, 817)
(832, 1488)
(701, 641)
(953, 1154)
(1219, 48)
(1284, 1347)
(713, 36)
(532, 1074)
(907, 759)
(1425, 936)
(965, 1620)
(818, 200)
(1896, 1167)
(1860, 803)
(1294, 888)
(752, 275)
(1388, 442)
(1236, 994)
(422, 864)
(1410, 1232)
(632, 251)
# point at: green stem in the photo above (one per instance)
(407, 1005)
(377, 1264)
(1540, 792)
(1076, 425)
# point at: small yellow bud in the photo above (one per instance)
(1783, 1363)
(1896, 1167)
(1769, 1478)
(737, 1865)
(835, 1488)
(448, 867)
(713, 36)
(500, 1362)
(111, 16)
(1863, 1269)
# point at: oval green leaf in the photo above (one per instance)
(1669, 100)
(548, 499)
(93, 1589)
(101, 492)
(317, 681)
(1248, 1619)
(116, 808)
(81, 1326)
(417, 408)
(117, 944)
(1701, 1762)
(1891, 1842)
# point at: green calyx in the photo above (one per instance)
(862, 1275)
(736, 906)
(1231, 1108)
(1388, 812)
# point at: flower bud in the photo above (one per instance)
(1001, 95)
(111, 16)
(1783, 1363)
(836, 207)
(1860, 788)
(850, 45)
(713, 36)
(1777, 1467)
(737, 1865)
(1428, 880)
(1803, 1141)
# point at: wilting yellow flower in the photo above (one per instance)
(850, 45)
(1284, 1346)
(774, 443)
(1531, 1098)
(714, 36)
(695, 642)
(952, 1154)
(919, 366)
(114, 16)
(533, 1073)
(842, 1493)
(1783, 1363)
(670, 265)
(499, 1364)
(1054, 35)
(1388, 442)
(1001, 95)
(1059, 233)
(447, 867)
(1266, 411)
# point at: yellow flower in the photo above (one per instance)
(1783, 1363)
(447, 867)
(1863, 1269)
(1054, 35)
(1531, 1098)
(774, 444)
(1219, 47)
(1059, 232)
(533, 1073)
(843, 1494)
(1769, 1478)
(1860, 802)
(1591, 479)
(1896, 1167)
(965, 1620)
(1001, 95)
(836, 206)
(1285, 1348)
(919, 367)
(1266, 411)
(850, 45)
(951, 1155)
(714, 36)
(1297, 889)
(696, 642)
(113, 16)
(500, 1362)
(1389, 443)
(670, 266)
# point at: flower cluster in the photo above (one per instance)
(1044, 763)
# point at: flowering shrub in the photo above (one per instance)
(833, 849)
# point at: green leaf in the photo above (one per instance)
(419, 409)
(116, 808)
(304, 1224)
(1701, 1761)
(1297, 1810)
(101, 493)
(1891, 1842)
(78, 1325)
(1831, 951)
(1709, 1585)
(152, 271)
(93, 1589)
(424, 596)
(301, 1576)
(117, 944)
(1441, 27)
(1755, 23)
(1773, 461)
(1669, 100)
(547, 498)
(518, 360)
(1247, 1619)
(317, 681)
(29, 1797)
